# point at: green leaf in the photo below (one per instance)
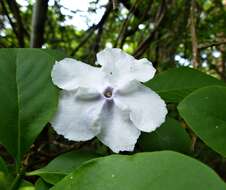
(56, 54)
(3, 166)
(4, 173)
(174, 84)
(26, 185)
(62, 166)
(142, 171)
(3, 181)
(41, 185)
(28, 97)
(169, 136)
(205, 112)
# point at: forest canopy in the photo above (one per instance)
(112, 94)
(168, 32)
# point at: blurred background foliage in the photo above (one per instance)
(170, 33)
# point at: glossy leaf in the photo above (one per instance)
(4, 174)
(28, 97)
(157, 170)
(205, 112)
(174, 84)
(41, 185)
(26, 185)
(5, 177)
(169, 136)
(62, 166)
(3, 181)
(56, 54)
(3, 166)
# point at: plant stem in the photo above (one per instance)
(15, 182)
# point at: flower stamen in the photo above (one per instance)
(108, 92)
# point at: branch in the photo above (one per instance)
(129, 32)
(39, 14)
(13, 6)
(13, 25)
(195, 50)
(114, 4)
(15, 183)
(91, 30)
(158, 21)
(128, 6)
(96, 45)
(126, 23)
(211, 44)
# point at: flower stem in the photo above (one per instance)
(15, 182)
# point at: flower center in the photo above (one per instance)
(108, 92)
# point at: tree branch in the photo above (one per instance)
(39, 14)
(114, 4)
(13, 6)
(211, 44)
(13, 25)
(125, 23)
(158, 21)
(129, 32)
(128, 6)
(195, 50)
(91, 30)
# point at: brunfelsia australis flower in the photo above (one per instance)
(108, 102)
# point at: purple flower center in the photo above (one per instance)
(108, 92)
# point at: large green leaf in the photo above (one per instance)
(26, 185)
(4, 175)
(205, 112)
(4, 183)
(174, 84)
(28, 97)
(56, 54)
(169, 136)
(143, 171)
(62, 166)
(41, 185)
(3, 166)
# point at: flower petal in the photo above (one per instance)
(117, 131)
(69, 74)
(87, 94)
(147, 109)
(143, 70)
(77, 119)
(121, 67)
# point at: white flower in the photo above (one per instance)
(107, 102)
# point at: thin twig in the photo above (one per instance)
(115, 4)
(131, 31)
(14, 8)
(96, 45)
(158, 21)
(195, 50)
(126, 22)
(91, 30)
(15, 183)
(211, 44)
(11, 23)
(127, 4)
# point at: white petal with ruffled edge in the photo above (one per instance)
(69, 74)
(107, 102)
(147, 109)
(121, 67)
(117, 131)
(78, 119)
